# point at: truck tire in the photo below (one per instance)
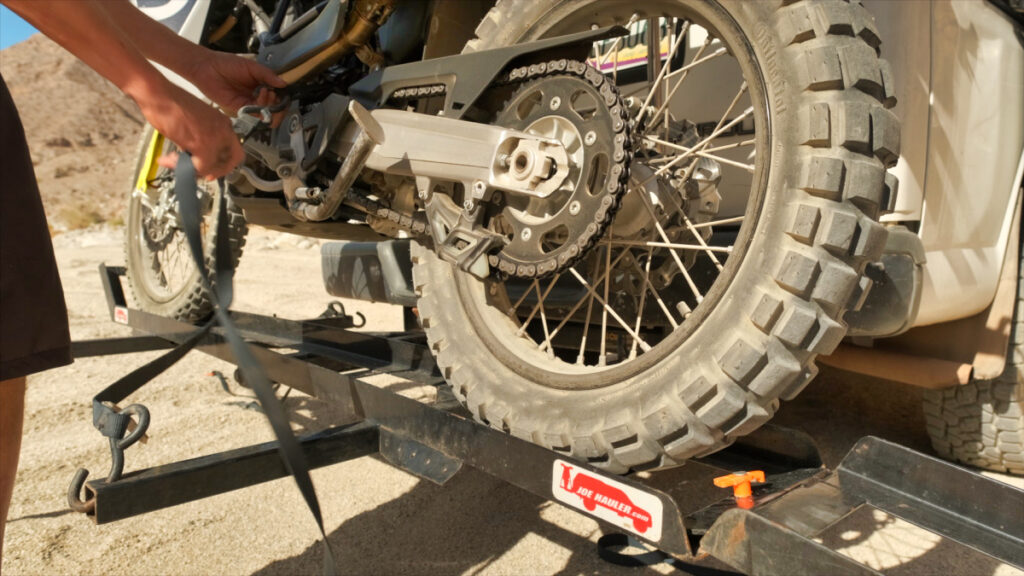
(823, 139)
(160, 271)
(982, 422)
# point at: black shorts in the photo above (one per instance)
(33, 316)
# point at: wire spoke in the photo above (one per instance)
(604, 316)
(732, 146)
(643, 302)
(664, 237)
(722, 222)
(732, 105)
(685, 71)
(568, 315)
(602, 59)
(661, 75)
(697, 147)
(671, 245)
(703, 154)
(666, 96)
(709, 250)
(646, 275)
(520, 301)
(615, 64)
(544, 322)
(543, 316)
(586, 330)
(643, 345)
(539, 306)
(698, 59)
(529, 318)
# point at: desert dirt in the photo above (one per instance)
(380, 520)
(81, 130)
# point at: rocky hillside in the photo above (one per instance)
(81, 130)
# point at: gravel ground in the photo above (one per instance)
(380, 520)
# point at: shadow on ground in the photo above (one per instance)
(462, 527)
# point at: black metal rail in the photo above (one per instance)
(799, 501)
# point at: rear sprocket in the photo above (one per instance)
(569, 102)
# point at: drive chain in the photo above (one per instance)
(615, 186)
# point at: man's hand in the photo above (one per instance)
(115, 39)
(195, 127)
(231, 81)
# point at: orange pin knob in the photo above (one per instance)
(740, 482)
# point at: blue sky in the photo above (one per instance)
(12, 28)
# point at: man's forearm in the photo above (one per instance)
(90, 32)
(156, 42)
(118, 41)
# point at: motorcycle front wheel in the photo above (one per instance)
(760, 146)
(160, 268)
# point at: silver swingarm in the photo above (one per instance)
(433, 149)
(483, 158)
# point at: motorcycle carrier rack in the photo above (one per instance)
(771, 533)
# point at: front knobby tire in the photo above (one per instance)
(820, 100)
(160, 269)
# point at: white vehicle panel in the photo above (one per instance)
(959, 72)
(976, 137)
(187, 18)
(906, 43)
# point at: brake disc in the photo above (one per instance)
(159, 221)
(573, 103)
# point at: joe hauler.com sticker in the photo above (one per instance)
(624, 506)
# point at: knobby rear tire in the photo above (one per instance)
(828, 96)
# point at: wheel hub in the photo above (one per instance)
(159, 220)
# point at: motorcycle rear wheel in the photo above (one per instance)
(665, 368)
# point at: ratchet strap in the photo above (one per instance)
(610, 548)
(114, 422)
(221, 292)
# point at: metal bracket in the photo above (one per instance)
(458, 238)
(418, 459)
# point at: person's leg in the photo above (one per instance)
(12, 412)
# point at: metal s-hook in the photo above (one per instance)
(336, 309)
(117, 448)
(75, 502)
(142, 413)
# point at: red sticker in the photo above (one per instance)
(627, 507)
(120, 315)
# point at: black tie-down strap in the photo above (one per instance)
(115, 423)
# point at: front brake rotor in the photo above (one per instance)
(159, 220)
